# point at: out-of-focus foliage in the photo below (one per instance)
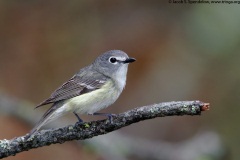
(183, 52)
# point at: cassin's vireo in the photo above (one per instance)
(93, 88)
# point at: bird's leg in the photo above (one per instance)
(109, 115)
(79, 119)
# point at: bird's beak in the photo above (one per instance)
(129, 60)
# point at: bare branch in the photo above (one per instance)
(87, 130)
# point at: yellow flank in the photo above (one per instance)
(93, 101)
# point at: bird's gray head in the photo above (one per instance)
(113, 64)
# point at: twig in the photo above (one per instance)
(87, 130)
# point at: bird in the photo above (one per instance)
(93, 88)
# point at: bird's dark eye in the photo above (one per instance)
(113, 60)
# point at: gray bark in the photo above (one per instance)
(86, 130)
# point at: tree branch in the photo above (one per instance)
(87, 130)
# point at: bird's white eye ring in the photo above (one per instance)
(112, 60)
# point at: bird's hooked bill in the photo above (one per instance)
(129, 60)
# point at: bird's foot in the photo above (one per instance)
(79, 119)
(109, 115)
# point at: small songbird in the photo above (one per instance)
(93, 88)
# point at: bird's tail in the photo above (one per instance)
(48, 116)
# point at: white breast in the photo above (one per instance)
(120, 77)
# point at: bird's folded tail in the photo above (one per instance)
(48, 116)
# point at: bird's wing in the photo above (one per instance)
(74, 87)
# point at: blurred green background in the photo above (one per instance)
(183, 52)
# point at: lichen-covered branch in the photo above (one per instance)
(87, 130)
